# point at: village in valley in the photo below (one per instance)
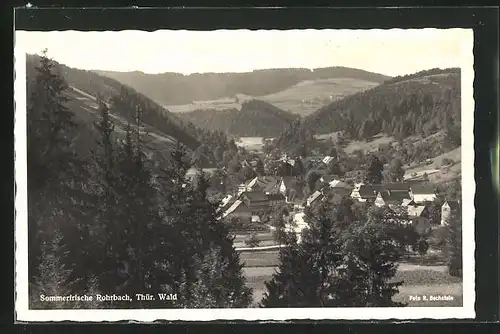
(278, 189)
(290, 187)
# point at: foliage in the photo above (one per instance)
(374, 171)
(344, 259)
(254, 119)
(210, 86)
(92, 217)
(420, 104)
(454, 244)
(396, 171)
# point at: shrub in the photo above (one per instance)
(421, 247)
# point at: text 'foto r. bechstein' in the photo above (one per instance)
(232, 174)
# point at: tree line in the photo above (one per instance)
(185, 89)
(154, 115)
(419, 105)
(254, 119)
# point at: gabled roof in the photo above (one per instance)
(407, 201)
(255, 196)
(339, 184)
(275, 197)
(327, 159)
(394, 196)
(454, 205)
(397, 186)
(227, 201)
(416, 211)
(315, 195)
(232, 208)
(423, 189)
(251, 182)
(368, 190)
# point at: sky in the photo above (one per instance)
(390, 52)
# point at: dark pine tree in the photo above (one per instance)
(374, 171)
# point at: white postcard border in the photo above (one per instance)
(467, 311)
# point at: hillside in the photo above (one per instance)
(178, 89)
(162, 127)
(418, 104)
(254, 119)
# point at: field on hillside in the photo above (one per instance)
(85, 108)
(307, 96)
(437, 171)
(368, 146)
(303, 98)
(221, 104)
(419, 278)
(251, 143)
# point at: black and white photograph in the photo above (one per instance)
(244, 174)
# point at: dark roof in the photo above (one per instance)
(275, 197)
(454, 205)
(394, 196)
(369, 190)
(397, 186)
(423, 188)
(255, 196)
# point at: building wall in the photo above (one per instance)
(419, 198)
(282, 188)
(445, 214)
(379, 201)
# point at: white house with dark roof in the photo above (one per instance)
(422, 192)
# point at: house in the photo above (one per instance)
(408, 202)
(364, 192)
(226, 202)
(339, 187)
(419, 217)
(275, 199)
(326, 160)
(422, 192)
(388, 197)
(447, 209)
(266, 184)
(314, 198)
(238, 209)
(291, 187)
(257, 201)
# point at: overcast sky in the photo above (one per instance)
(391, 52)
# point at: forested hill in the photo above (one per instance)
(421, 103)
(175, 88)
(254, 119)
(126, 100)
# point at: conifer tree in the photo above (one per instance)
(396, 172)
(374, 171)
(52, 167)
(454, 244)
(370, 262)
(53, 275)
